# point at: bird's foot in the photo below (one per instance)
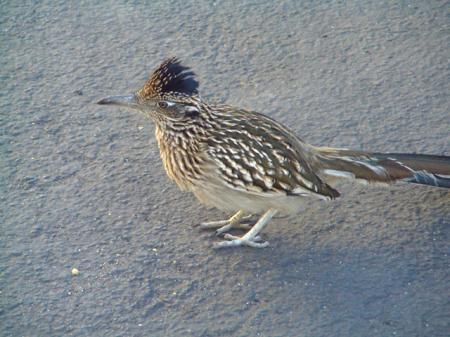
(226, 225)
(250, 239)
(243, 241)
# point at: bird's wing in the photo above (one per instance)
(258, 155)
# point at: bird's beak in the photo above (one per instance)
(129, 101)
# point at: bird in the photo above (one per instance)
(245, 162)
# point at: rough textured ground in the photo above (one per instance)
(83, 186)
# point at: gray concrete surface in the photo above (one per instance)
(83, 186)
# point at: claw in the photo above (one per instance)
(224, 225)
(250, 239)
(237, 241)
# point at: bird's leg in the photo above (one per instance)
(250, 239)
(226, 225)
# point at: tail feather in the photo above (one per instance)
(426, 169)
(385, 168)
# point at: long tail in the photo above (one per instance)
(388, 168)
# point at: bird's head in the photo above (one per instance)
(170, 95)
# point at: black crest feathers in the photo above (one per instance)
(170, 78)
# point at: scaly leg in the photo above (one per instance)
(226, 225)
(250, 239)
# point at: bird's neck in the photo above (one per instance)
(177, 137)
(181, 153)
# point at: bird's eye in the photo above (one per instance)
(163, 104)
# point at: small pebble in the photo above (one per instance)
(75, 271)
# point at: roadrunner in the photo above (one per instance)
(243, 161)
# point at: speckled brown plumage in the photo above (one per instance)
(242, 161)
(171, 80)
